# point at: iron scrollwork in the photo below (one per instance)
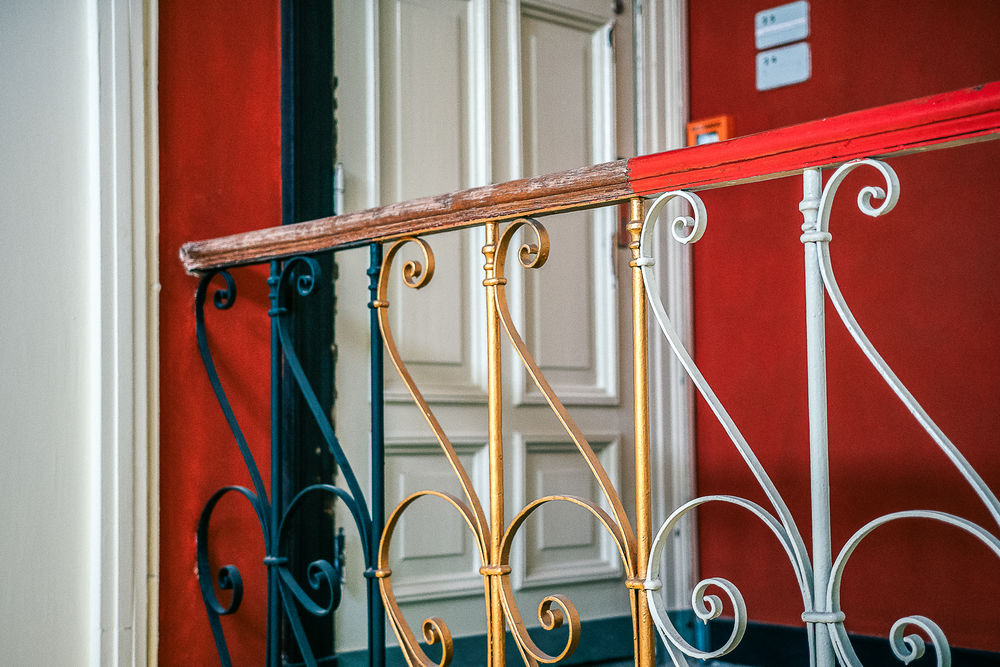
(554, 611)
(324, 577)
(906, 647)
(689, 229)
(417, 274)
(819, 608)
(532, 255)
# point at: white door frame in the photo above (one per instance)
(124, 549)
(661, 99)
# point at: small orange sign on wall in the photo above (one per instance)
(709, 130)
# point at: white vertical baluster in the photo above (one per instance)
(812, 186)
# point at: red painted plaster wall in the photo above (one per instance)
(923, 283)
(220, 173)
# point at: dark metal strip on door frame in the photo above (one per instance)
(308, 165)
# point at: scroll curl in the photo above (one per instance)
(906, 647)
(706, 606)
(415, 273)
(320, 574)
(229, 576)
(434, 629)
(554, 610)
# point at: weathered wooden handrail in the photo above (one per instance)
(963, 116)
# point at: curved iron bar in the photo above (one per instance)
(229, 577)
(708, 607)
(434, 629)
(687, 229)
(890, 197)
(223, 300)
(552, 618)
(416, 275)
(305, 281)
(532, 255)
(301, 274)
(906, 647)
(320, 572)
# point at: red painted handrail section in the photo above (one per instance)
(948, 119)
(939, 121)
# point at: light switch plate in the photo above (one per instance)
(784, 66)
(781, 25)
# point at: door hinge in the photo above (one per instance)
(338, 189)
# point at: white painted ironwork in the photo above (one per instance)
(819, 464)
(819, 574)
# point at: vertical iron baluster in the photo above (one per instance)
(819, 464)
(644, 646)
(496, 619)
(376, 610)
(273, 594)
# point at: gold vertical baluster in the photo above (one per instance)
(496, 617)
(644, 646)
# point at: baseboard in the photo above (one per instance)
(766, 645)
(610, 639)
(601, 640)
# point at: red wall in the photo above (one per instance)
(922, 281)
(220, 173)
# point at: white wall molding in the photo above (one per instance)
(451, 568)
(126, 337)
(661, 53)
(536, 564)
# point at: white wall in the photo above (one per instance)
(48, 322)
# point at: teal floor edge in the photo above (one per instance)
(608, 643)
(604, 641)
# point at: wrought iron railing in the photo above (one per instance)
(860, 140)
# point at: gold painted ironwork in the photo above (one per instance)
(494, 538)
(435, 630)
(497, 647)
(532, 255)
(644, 639)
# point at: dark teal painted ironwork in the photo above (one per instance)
(274, 606)
(287, 598)
(308, 156)
(229, 577)
(376, 610)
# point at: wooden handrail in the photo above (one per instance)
(959, 117)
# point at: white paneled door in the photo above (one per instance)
(441, 95)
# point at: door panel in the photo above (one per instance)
(568, 120)
(430, 84)
(460, 89)
(428, 88)
(433, 548)
(562, 539)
